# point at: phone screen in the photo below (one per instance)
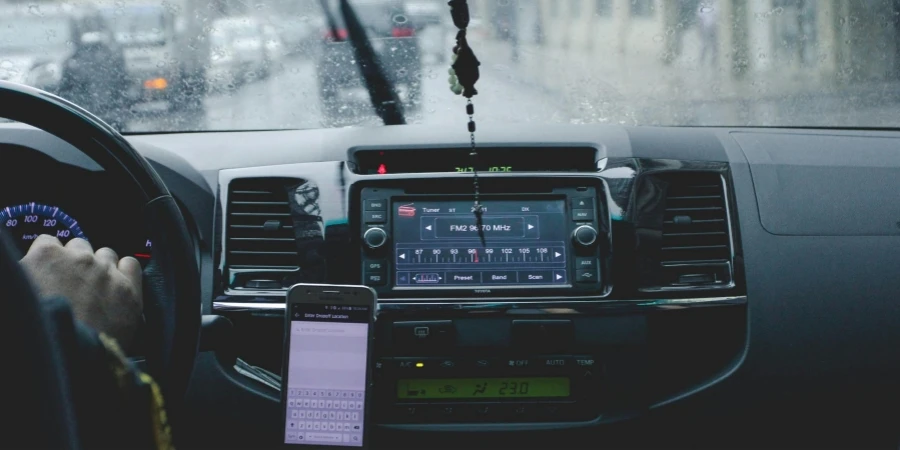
(326, 378)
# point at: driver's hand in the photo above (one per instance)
(105, 291)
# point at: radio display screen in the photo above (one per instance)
(487, 388)
(437, 243)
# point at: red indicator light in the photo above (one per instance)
(382, 169)
(142, 255)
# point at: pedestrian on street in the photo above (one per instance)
(709, 36)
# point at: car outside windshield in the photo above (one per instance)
(134, 25)
(185, 65)
(29, 33)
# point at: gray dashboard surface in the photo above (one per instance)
(817, 213)
(818, 184)
(819, 304)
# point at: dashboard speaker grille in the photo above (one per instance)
(259, 229)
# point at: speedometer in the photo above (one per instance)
(28, 221)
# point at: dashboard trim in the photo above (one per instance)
(564, 307)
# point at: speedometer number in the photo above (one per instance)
(28, 221)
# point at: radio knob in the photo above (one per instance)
(584, 236)
(375, 238)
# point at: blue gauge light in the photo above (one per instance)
(29, 220)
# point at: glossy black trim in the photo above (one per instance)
(561, 306)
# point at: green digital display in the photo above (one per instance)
(487, 388)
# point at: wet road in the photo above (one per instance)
(289, 98)
(508, 93)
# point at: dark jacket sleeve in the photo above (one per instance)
(116, 405)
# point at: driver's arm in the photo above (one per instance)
(93, 300)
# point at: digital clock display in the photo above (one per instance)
(467, 169)
(487, 388)
(490, 159)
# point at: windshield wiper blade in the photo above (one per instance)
(381, 91)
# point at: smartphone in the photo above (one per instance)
(327, 371)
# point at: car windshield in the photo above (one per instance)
(28, 32)
(246, 31)
(185, 65)
(136, 24)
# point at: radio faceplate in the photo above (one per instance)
(477, 389)
(553, 243)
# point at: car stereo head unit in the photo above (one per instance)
(422, 245)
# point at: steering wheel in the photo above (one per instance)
(171, 279)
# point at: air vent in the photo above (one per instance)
(695, 250)
(260, 249)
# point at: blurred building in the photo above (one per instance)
(738, 44)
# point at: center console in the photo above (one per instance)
(510, 321)
(539, 240)
(426, 245)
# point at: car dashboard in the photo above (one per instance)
(631, 286)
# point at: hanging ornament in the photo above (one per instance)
(463, 76)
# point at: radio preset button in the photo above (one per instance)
(463, 277)
(376, 205)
